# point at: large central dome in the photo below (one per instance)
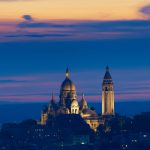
(67, 84)
(67, 91)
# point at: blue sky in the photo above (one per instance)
(39, 39)
(28, 57)
(31, 70)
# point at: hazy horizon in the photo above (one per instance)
(18, 112)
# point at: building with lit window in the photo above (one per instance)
(68, 103)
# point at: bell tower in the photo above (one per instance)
(107, 94)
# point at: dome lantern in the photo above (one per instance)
(67, 73)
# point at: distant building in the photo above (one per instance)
(107, 94)
(68, 103)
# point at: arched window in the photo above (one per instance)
(75, 110)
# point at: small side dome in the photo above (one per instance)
(74, 103)
(83, 103)
(90, 113)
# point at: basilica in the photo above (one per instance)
(68, 103)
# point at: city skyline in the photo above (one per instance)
(74, 74)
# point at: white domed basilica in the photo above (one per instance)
(68, 104)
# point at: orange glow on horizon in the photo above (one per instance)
(73, 10)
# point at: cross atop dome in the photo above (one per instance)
(67, 73)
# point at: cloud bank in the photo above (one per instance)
(32, 29)
(145, 10)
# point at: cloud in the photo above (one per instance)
(30, 23)
(91, 26)
(30, 29)
(27, 17)
(145, 10)
(39, 25)
(37, 35)
(33, 88)
(101, 26)
(92, 29)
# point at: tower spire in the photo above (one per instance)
(107, 68)
(82, 95)
(83, 103)
(107, 75)
(67, 73)
(52, 101)
(52, 96)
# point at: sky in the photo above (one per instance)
(72, 9)
(40, 38)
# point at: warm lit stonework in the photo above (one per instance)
(107, 94)
(68, 103)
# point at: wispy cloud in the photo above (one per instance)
(38, 87)
(32, 29)
(145, 10)
(27, 17)
(36, 35)
(29, 22)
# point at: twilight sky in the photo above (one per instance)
(40, 38)
(72, 9)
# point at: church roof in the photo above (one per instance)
(52, 105)
(67, 84)
(83, 103)
(107, 74)
(90, 112)
(74, 103)
(107, 77)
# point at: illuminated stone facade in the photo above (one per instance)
(68, 103)
(107, 94)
